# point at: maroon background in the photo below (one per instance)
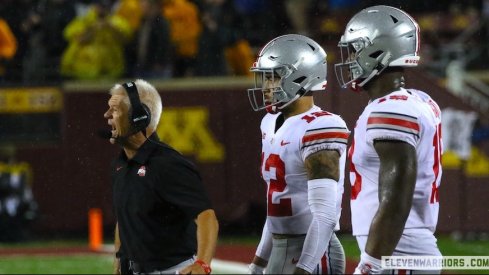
(73, 176)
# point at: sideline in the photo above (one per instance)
(228, 267)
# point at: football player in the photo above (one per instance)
(303, 155)
(395, 156)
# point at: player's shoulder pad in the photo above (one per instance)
(327, 127)
(396, 103)
(326, 120)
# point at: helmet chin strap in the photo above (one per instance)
(290, 102)
(354, 87)
(379, 68)
(302, 91)
(271, 109)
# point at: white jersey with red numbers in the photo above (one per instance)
(283, 155)
(406, 115)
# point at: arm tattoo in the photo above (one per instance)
(323, 164)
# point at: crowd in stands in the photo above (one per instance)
(48, 41)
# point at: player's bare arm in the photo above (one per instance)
(323, 164)
(397, 178)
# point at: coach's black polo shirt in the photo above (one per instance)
(157, 195)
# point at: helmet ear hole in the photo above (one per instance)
(376, 54)
(299, 80)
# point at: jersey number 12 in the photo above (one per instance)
(277, 184)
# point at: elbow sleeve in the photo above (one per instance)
(322, 196)
(265, 246)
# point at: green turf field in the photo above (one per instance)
(448, 247)
(102, 264)
(59, 264)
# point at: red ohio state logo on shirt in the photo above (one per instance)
(142, 171)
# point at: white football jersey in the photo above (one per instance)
(405, 115)
(283, 156)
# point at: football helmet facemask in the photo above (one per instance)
(374, 39)
(300, 64)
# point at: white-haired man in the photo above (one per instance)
(165, 222)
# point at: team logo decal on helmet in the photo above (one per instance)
(374, 39)
(297, 61)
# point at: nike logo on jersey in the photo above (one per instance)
(118, 168)
(283, 143)
(294, 261)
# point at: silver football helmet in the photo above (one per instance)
(374, 39)
(298, 61)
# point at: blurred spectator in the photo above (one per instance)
(343, 5)
(149, 53)
(185, 30)
(297, 11)
(240, 57)
(252, 14)
(215, 36)
(45, 44)
(485, 30)
(220, 31)
(17, 205)
(243, 26)
(330, 17)
(238, 51)
(8, 46)
(131, 11)
(14, 12)
(257, 23)
(96, 44)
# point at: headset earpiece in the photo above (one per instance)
(146, 121)
(140, 115)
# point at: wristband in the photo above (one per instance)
(207, 269)
(368, 265)
(256, 269)
(376, 263)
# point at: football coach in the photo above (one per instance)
(165, 221)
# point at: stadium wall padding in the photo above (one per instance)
(73, 176)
